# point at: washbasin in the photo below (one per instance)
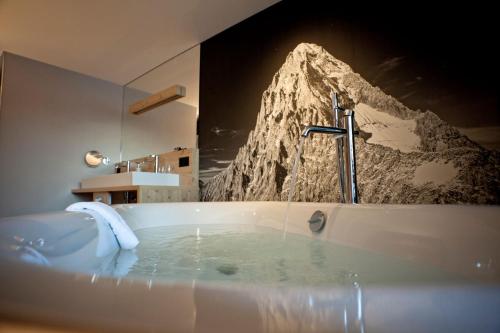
(131, 179)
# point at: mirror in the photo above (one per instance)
(166, 125)
(94, 158)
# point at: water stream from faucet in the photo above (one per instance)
(293, 181)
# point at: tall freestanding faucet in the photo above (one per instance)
(343, 121)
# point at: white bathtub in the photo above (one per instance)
(463, 240)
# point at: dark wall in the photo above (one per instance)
(441, 58)
(427, 56)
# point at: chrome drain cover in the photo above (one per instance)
(317, 221)
(227, 269)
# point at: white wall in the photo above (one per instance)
(49, 118)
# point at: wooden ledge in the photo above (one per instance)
(168, 95)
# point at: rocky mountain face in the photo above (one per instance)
(403, 156)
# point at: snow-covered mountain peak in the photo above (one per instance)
(395, 141)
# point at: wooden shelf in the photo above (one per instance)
(168, 95)
(106, 189)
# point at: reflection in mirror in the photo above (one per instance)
(151, 141)
(153, 101)
(94, 158)
(165, 126)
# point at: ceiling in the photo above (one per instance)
(115, 40)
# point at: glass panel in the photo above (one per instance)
(167, 126)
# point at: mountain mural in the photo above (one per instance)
(403, 155)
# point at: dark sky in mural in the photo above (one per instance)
(429, 58)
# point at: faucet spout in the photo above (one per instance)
(344, 136)
(323, 129)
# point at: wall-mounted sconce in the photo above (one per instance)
(94, 158)
(168, 95)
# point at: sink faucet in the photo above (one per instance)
(343, 120)
(156, 165)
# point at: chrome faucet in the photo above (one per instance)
(154, 158)
(156, 164)
(343, 120)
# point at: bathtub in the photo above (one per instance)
(61, 284)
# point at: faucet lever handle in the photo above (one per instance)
(335, 100)
(336, 103)
(336, 109)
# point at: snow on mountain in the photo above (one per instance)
(436, 172)
(387, 130)
(403, 156)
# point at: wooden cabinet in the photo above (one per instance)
(140, 194)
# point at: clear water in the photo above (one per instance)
(259, 255)
(293, 182)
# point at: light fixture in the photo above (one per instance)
(168, 95)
